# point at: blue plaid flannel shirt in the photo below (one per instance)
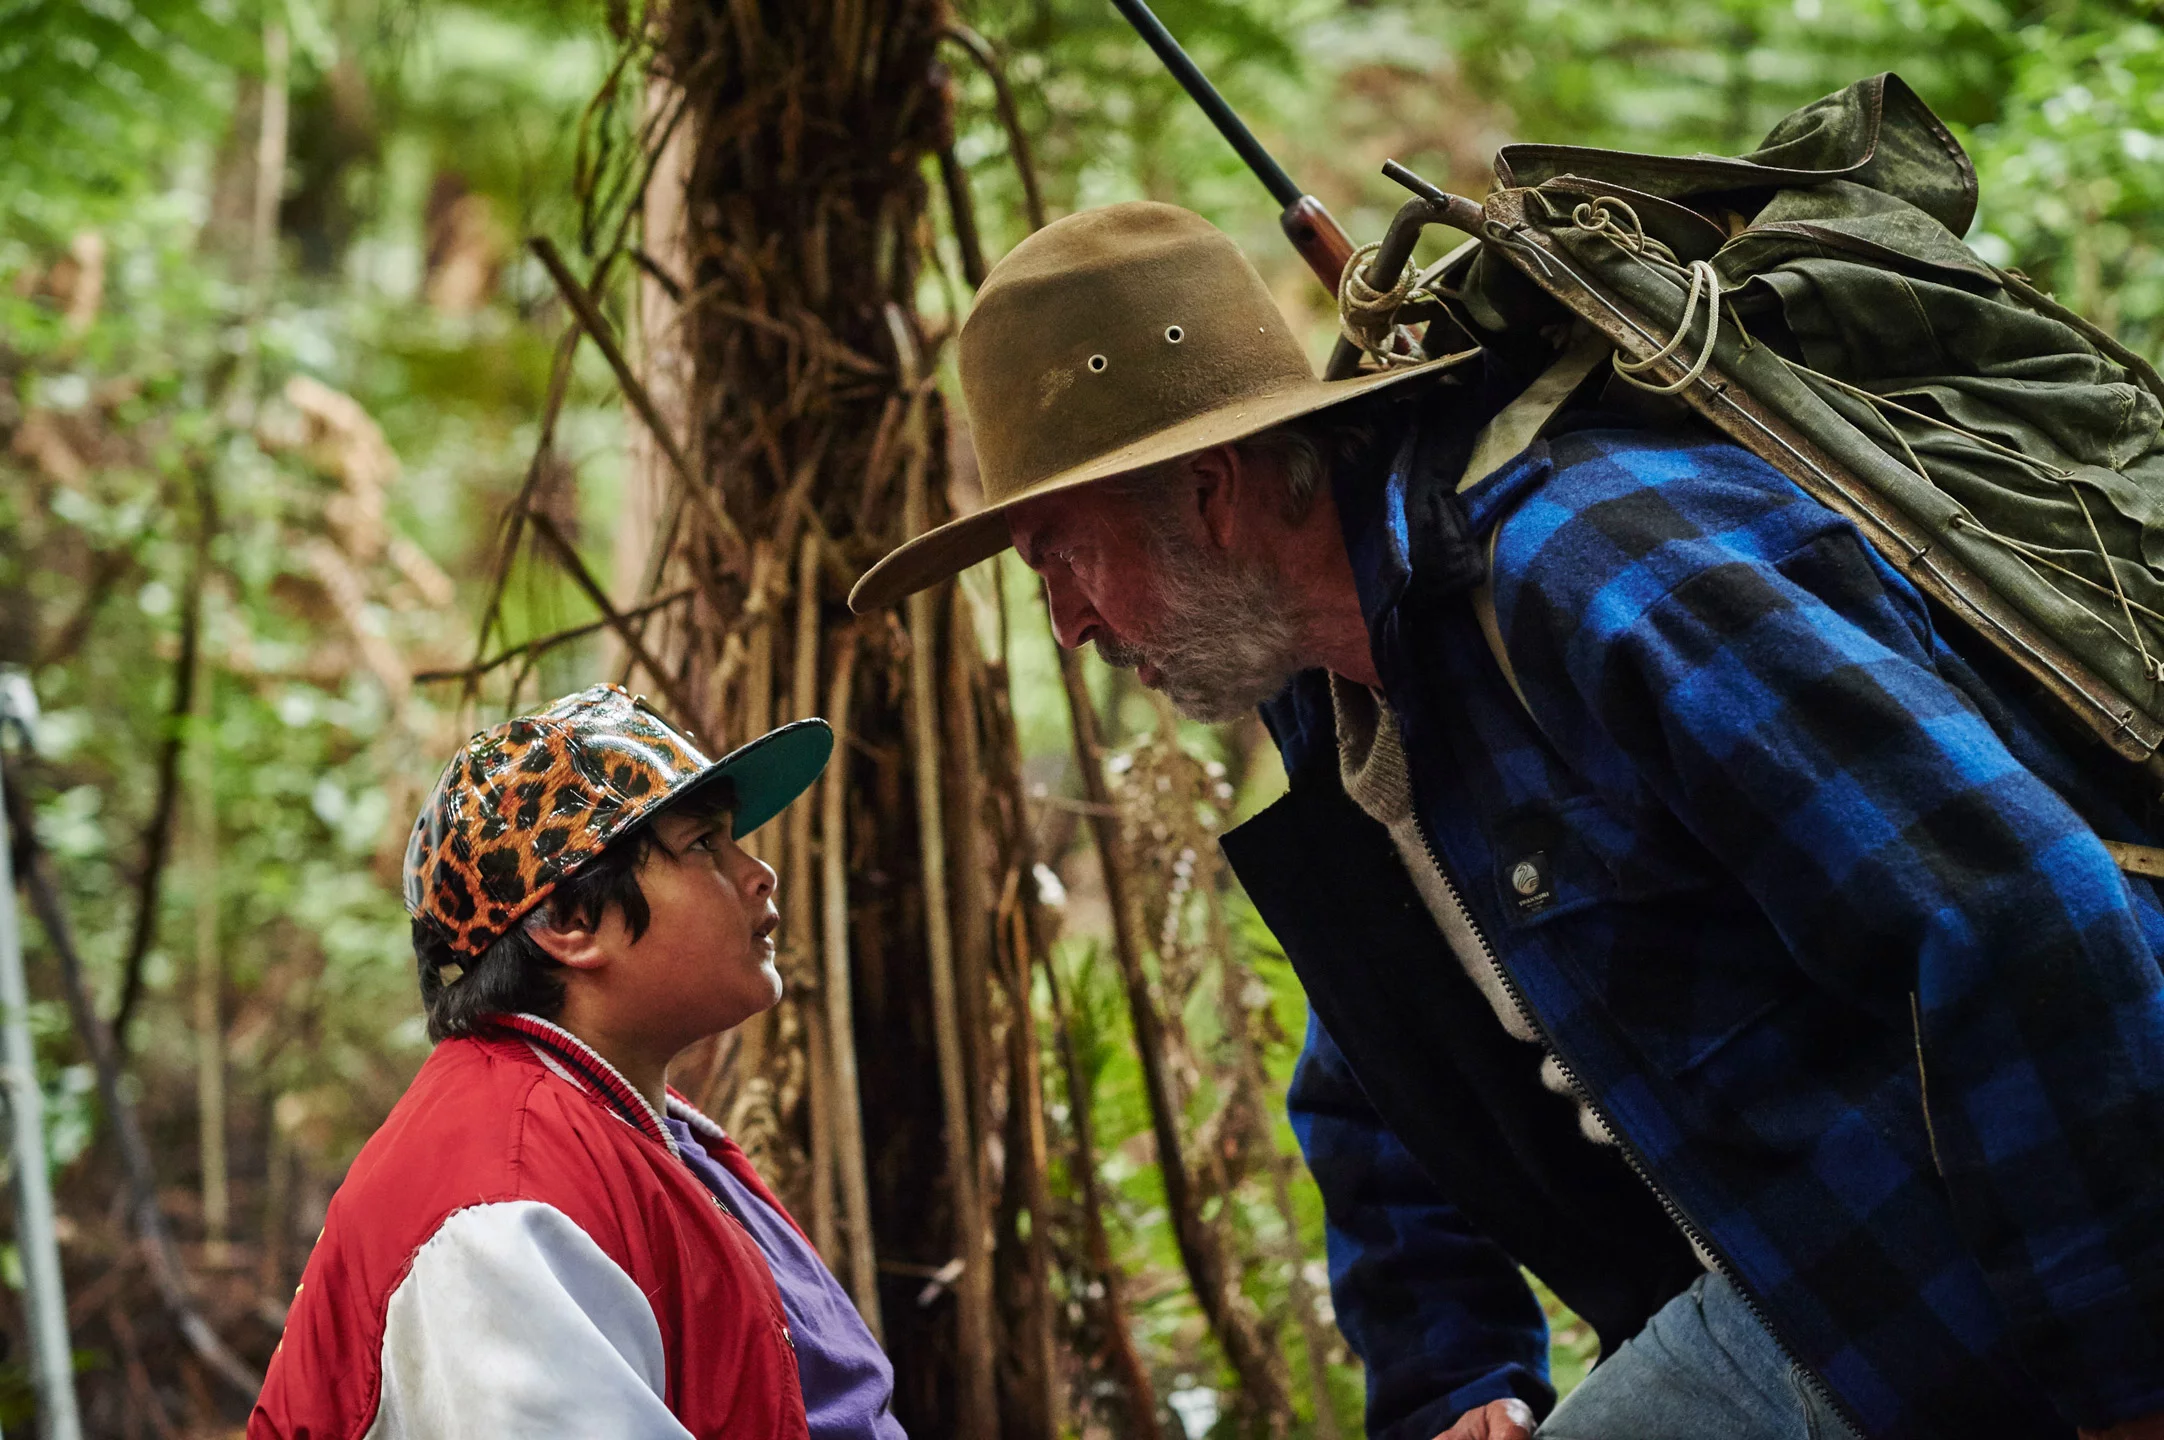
(1826, 932)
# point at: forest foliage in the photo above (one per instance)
(255, 449)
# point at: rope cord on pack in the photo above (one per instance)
(2150, 666)
(2037, 554)
(2036, 559)
(1704, 280)
(1367, 317)
(1878, 404)
(1598, 217)
(2049, 471)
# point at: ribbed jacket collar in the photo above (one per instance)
(574, 1060)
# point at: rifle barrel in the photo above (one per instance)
(1321, 241)
(1198, 85)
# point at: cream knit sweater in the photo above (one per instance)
(1371, 761)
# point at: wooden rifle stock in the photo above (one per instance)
(1321, 241)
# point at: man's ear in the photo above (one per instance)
(1217, 479)
(572, 943)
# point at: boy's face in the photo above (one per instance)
(706, 960)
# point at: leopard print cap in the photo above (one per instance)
(527, 802)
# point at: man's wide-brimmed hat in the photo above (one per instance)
(527, 802)
(1107, 342)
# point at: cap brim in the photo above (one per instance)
(947, 550)
(769, 772)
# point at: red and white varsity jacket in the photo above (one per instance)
(519, 1252)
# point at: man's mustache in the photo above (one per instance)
(1119, 654)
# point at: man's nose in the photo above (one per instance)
(1074, 620)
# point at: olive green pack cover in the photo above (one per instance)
(2001, 451)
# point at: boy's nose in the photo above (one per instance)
(760, 880)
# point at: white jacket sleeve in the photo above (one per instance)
(513, 1322)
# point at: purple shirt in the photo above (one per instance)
(848, 1384)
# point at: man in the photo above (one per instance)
(1744, 961)
(544, 1239)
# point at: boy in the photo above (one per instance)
(543, 1240)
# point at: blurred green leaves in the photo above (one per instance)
(94, 93)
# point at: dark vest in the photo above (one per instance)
(1461, 1094)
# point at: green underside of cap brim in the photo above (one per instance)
(949, 549)
(769, 772)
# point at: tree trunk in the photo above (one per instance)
(807, 124)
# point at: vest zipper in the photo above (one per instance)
(1631, 1157)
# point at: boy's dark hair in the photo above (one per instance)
(514, 975)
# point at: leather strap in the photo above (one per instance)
(1521, 422)
(2137, 859)
(1516, 426)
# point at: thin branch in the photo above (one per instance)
(819, 341)
(662, 545)
(801, 926)
(725, 531)
(654, 136)
(107, 569)
(590, 161)
(839, 570)
(670, 285)
(978, 1408)
(841, 1016)
(1010, 116)
(141, 1393)
(1134, 1377)
(989, 749)
(964, 214)
(687, 713)
(158, 831)
(515, 517)
(542, 643)
(1250, 1081)
(159, 1255)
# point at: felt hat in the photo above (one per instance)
(1109, 341)
(529, 801)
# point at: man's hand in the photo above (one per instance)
(1497, 1420)
(2148, 1427)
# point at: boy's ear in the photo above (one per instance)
(572, 942)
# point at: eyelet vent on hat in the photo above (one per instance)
(1098, 364)
(1174, 334)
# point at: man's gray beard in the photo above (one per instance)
(1227, 642)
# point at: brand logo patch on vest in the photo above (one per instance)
(1526, 881)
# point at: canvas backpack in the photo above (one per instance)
(1814, 301)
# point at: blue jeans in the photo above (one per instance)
(1702, 1369)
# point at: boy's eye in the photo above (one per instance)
(711, 841)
